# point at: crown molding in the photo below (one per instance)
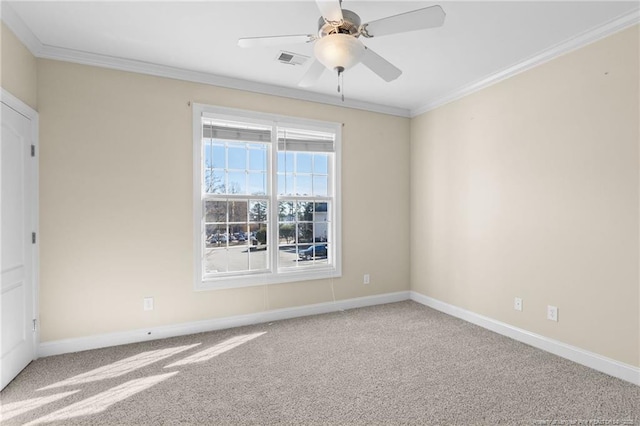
(26, 36)
(19, 28)
(39, 50)
(121, 64)
(613, 26)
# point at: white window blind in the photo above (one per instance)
(305, 141)
(234, 131)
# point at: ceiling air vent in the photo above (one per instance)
(291, 58)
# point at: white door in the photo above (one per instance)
(17, 344)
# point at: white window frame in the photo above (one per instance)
(273, 276)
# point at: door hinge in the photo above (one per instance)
(33, 238)
(35, 322)
(33, 150)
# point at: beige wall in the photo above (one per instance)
(116, 202)
(530, 188)
(17, 68)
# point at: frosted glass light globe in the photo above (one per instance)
(338, 51)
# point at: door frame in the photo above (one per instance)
(22, 108)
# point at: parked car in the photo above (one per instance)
(318, 250)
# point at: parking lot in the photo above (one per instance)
(239, 258)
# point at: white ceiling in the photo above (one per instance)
(479, 42)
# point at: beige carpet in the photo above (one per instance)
(401, 363)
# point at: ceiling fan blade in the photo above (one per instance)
(429, 17)
(274, 40)
(379, 65)
(330, 10)
(312, 75)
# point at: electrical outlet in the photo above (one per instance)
(367, 279)
(517, 304)
(552, 313)
(147, 303)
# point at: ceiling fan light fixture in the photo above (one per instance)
(338, 51)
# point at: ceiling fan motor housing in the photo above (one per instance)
(350, 25)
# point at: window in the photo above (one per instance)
(266, 198)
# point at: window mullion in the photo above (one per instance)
(273, 200)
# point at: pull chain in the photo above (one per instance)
(341, 81)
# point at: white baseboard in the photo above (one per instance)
(141, 335)
(592, 360)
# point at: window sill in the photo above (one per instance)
(230, 282)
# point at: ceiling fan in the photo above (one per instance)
(337, 42)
